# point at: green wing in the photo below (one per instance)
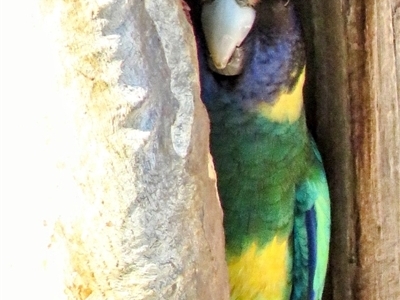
(311, 233)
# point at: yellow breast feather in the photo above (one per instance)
(261, 273)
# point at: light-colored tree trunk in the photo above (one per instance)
(107, 187)
(356, 62)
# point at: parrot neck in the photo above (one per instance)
(274, 71)
(288, 105)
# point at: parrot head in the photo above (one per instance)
(228, 23)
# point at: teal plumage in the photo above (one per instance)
(270, 175)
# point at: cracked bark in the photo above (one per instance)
(111, 177)
(355, 59)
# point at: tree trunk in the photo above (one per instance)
(356, 71)
(108, 190)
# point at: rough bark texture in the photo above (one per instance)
(378, 168)
(108, 189)
(355, 61)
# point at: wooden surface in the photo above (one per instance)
(107, 188)
(354, 49)
(378, 168)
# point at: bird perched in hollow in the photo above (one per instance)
(271, 179)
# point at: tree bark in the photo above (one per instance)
(108, 189)
(356, 66)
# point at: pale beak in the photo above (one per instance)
(225, 26)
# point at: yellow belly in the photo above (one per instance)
(261, 273)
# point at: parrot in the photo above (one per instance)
(270, 176)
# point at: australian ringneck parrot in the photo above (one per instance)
(271, 179)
